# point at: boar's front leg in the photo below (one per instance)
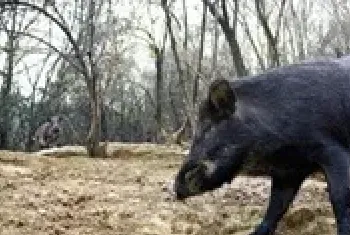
(283, 191)
(335, 161)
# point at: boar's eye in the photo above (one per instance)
(221, 151)
(216, 150)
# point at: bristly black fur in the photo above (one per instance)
(290, 122)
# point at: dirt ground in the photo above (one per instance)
(123, 195)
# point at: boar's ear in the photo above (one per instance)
(221, 98)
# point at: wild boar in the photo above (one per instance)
(294, 120)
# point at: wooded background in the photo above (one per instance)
(120, 70)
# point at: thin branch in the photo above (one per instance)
(224, 10)
(213, 10)
(145, 89)
(148, 34)
(279, 19)
(245, 26)
(63, 27)
(55, 49)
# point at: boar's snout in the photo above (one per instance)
(173, 194)
(192, 179)
(175, 191)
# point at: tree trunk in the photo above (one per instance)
(253, 44)
(31, 130)
(93, 140)
(235, 52)
(215, 49)
(272, 39)
(230, 34)
(94, 135)
(104, 123)
(159, 52)
(173, 107)
(5, 123)
(159, 90)
(201, 52)
(174, 50)
(185, 99)
(185, 43)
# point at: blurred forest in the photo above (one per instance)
(135, 71)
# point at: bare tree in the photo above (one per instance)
(8, 79)
(158, 51)
(230, 32)
(201, 54)
(85, 60)
(215, 48)
(272, 38)
(186, 101)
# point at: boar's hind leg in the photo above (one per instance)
(283, 191)
(335, 162)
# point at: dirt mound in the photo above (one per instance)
(119, 150)
(124, 150)
(65, 151)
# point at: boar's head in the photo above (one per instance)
(218, 146)
(56, 124)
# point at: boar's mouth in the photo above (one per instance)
(195, 180)
(189, 181)
(205, 176)
(201, 175)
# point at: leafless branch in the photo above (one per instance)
(52, 47)
(63, 27)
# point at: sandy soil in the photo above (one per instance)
(122, 196)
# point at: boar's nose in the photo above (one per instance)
(180, 192)
(56, 130)
(180, 196)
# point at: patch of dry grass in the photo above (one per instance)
(123, 195)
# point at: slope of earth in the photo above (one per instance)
(123, 195)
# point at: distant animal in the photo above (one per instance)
(48, 134)
(291, 121)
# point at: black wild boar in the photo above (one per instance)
(48, 134)
(294, 120)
